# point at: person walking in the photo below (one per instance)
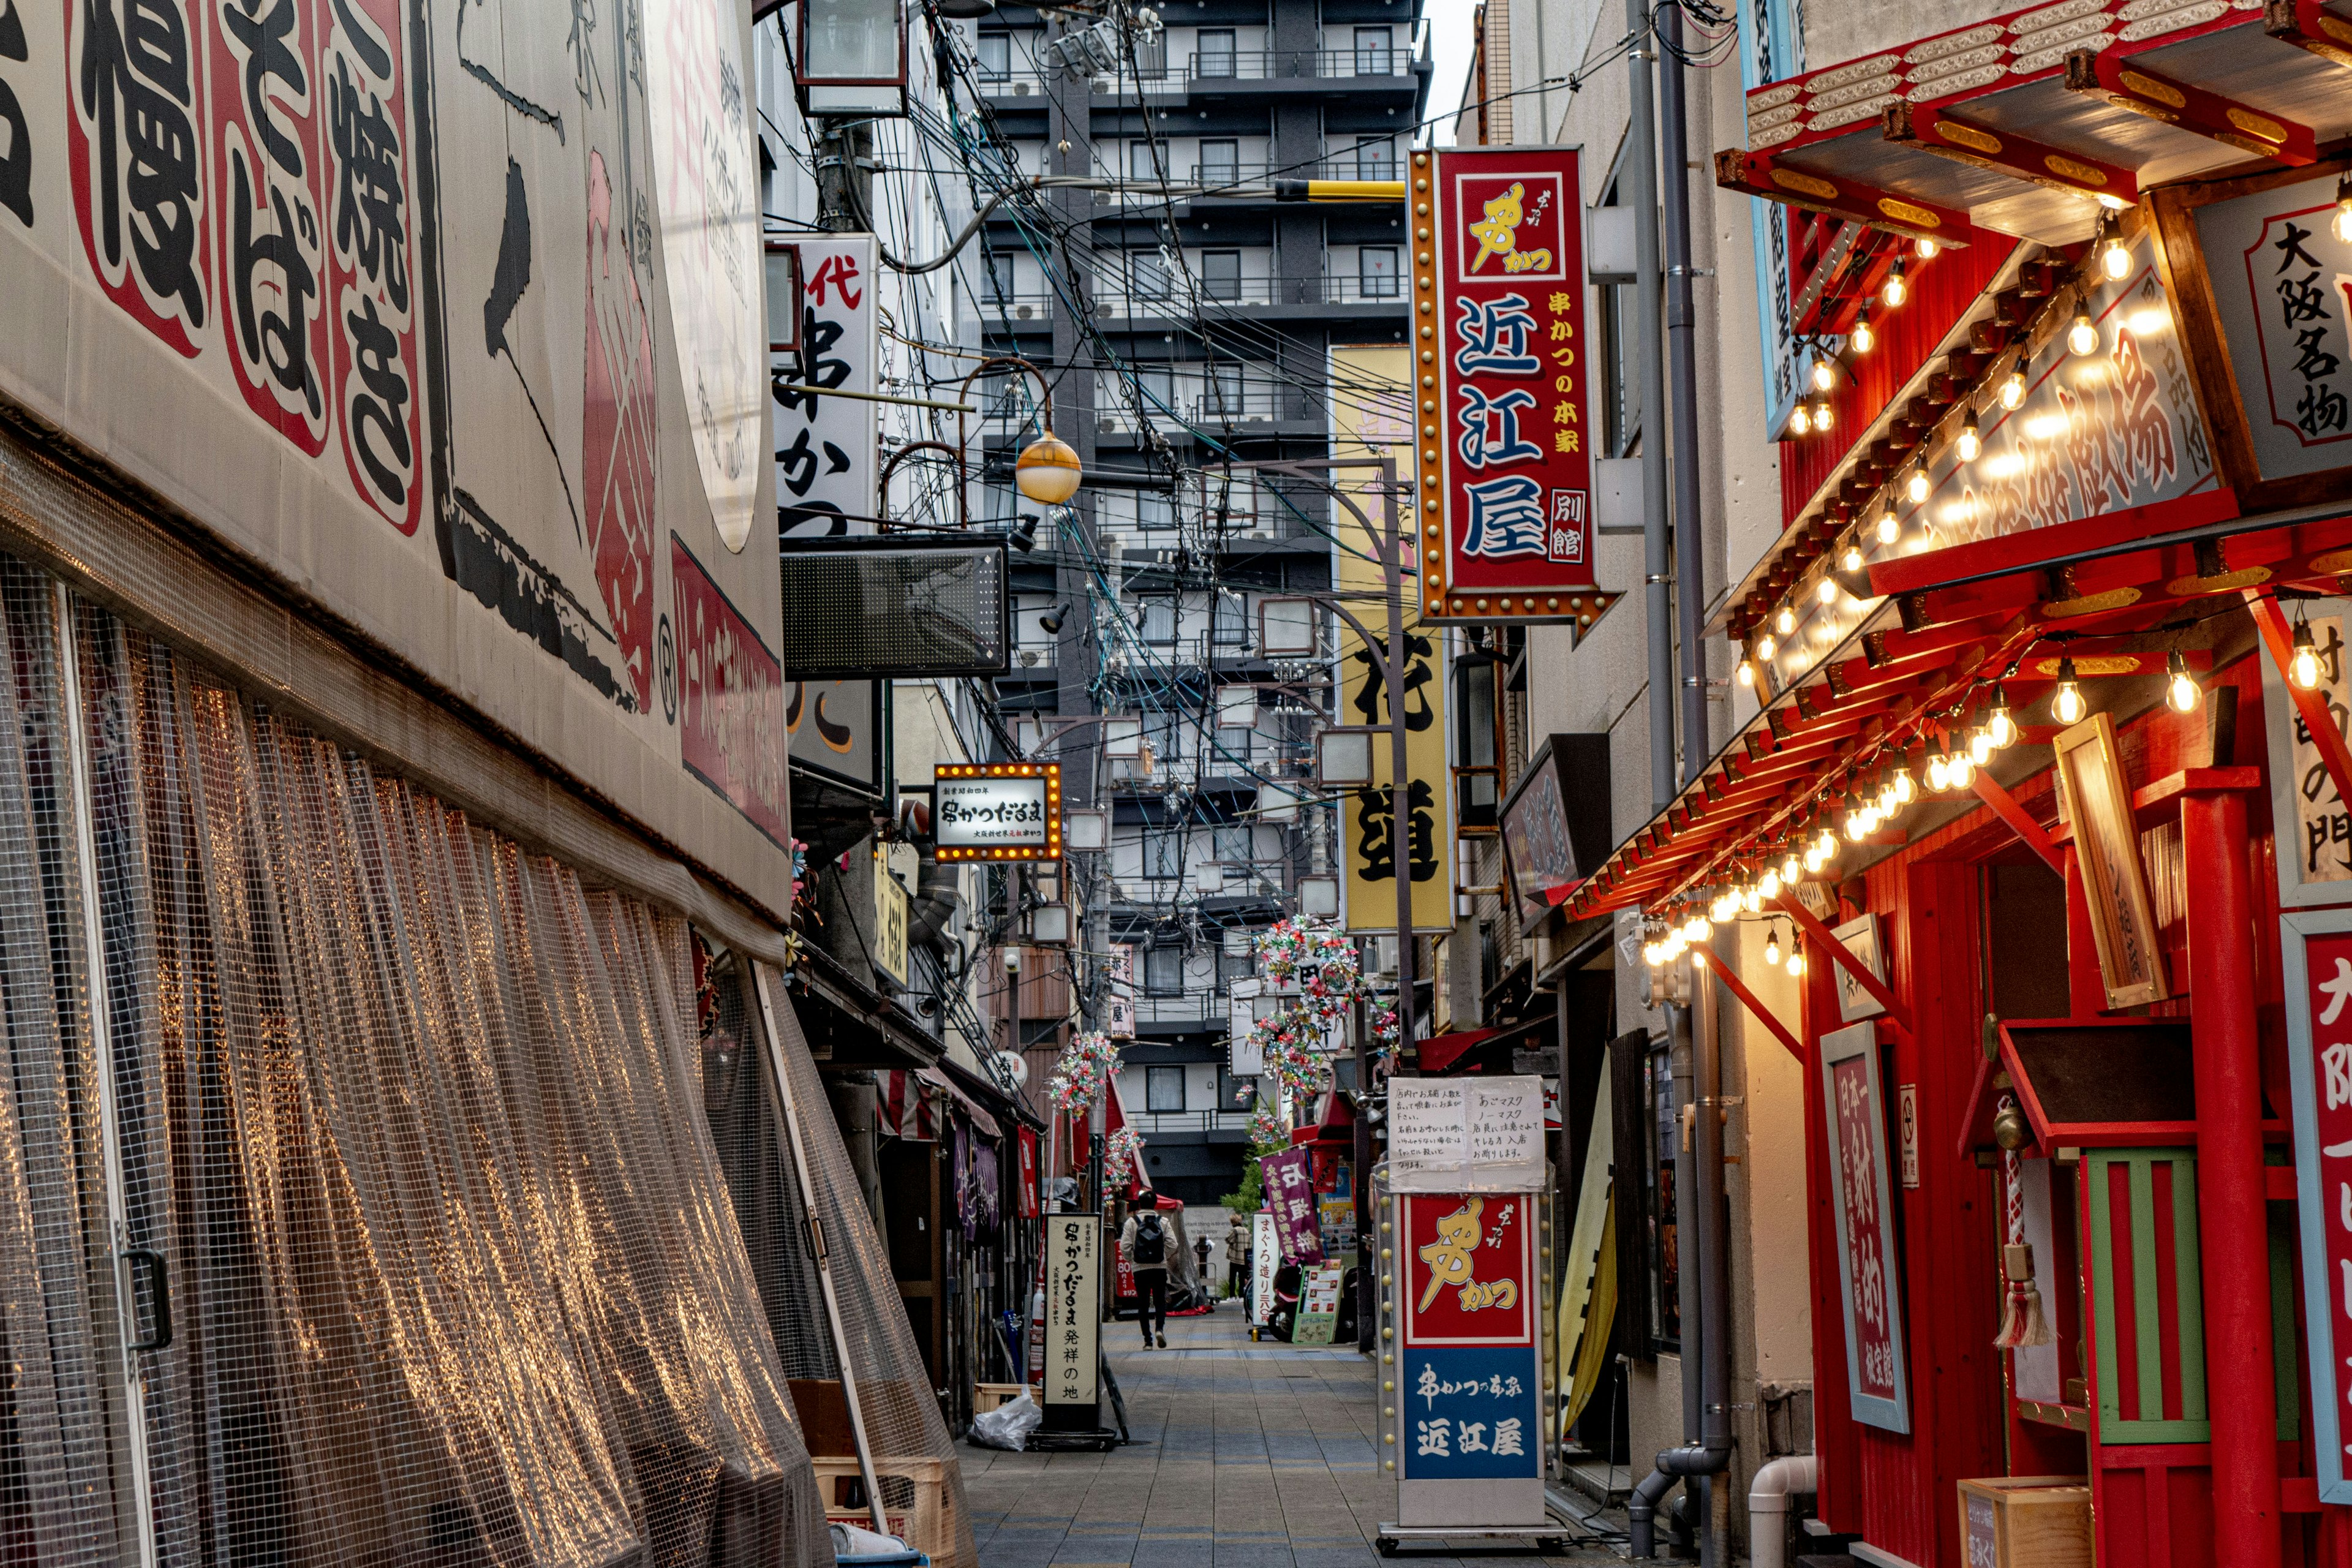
(1144, 1244)
(1237, 1244)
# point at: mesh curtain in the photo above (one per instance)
(398, 1123)
(901, 1412)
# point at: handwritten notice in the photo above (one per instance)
(1457, 1135)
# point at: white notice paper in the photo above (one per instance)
(1452, 1135)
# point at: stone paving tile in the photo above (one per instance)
(1249, 1456)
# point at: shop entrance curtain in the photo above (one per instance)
(356, 1201)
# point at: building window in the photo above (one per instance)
(1155, 511)
(1157, 384)
(1143, 163)
(1221, 163)
(1477, 719)
(1235, 1093)
(1163, 1089)
(1375, 158)
(1156, 616)
(1163, 971)
(1151, 54)
(1225, 389)
(1232, 619)
(1214, 54)
(1372, 51)
(1375, 272)
(1232, 842)
(1221, 274)
(1163, 853)
(1233, 966)
(995, 55)
(1148, 269)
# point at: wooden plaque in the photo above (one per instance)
(2107, 844)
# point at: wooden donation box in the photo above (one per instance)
(2026, 1521)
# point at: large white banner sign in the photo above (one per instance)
(394, 297)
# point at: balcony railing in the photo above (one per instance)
(1222, 172)
(1149, 1122)
(1286, 65)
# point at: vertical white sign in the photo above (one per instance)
(1266, 1258)
(826, 465)
(1073, 1307)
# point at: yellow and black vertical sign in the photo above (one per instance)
(1371, 418)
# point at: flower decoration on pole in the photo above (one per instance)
(1266, 1136)
(1122, 1158)
(1082, 1076)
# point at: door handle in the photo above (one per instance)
(148, 1261)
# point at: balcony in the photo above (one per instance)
(1298, 64)
(1156, 1124)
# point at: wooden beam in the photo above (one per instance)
(1762, 174)
(1948, 135)
(2004, 806)
(1845, 959)
(1732, 983)
(2306, 24)
(2311, 706)
(2112, 75)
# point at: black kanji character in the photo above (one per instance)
(2321, 408)
(376, 359)
(2291, 250)
(269, 57)
(136, 90)
(368, 193)
(278, 340)
(800, 463)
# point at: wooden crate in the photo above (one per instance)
(2026, 1521)
(987, 1396)
(914, 1500)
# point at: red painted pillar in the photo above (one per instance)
(2234, 1232)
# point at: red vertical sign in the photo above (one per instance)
(1505, 463)
(1860, 1158)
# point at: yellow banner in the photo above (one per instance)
(1371, 418)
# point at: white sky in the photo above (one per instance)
(1449, 46)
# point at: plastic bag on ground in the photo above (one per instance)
(1009, 1425)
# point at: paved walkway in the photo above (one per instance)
(1249, 1455)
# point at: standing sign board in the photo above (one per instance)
(1266, 1258)
(1319, 1306)
(2318, 980)
(1505, 467)
(1073, 1317)
(1855, 1103)
(1472, 1401)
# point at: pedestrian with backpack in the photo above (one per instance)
(1144, 1245)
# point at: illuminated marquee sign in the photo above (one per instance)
(1504, 476)
(997, 811)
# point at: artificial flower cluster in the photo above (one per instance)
(1082, 1076)
(1266, 1136)
(1294, 1042)
(1122, 1157)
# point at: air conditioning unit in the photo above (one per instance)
(1023, 89)
(1023, 313)
(1031, 657)
(1112, 425)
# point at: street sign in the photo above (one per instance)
(997, 811)
(1073, 1314)
(1504, 461)
(1266, 1258)
(890, 922)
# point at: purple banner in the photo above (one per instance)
(1291, 1197)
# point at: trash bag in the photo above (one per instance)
(1009, 1425)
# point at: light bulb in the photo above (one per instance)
(1888, 527)
(2083, 337)
(1971, 443)
(1766, 647)
(1750, 899)
(1855, 828)
(1821, 417)
(1653, 954)
(1926, 248)
(2114, 259)
(1850, 560)
(1826, 844)
(1786, 621)
(1700, 927)
(1790, 864)
(1827, 592)
(1887, 804)
(2013, 386)
(2000, 727)
(1802, 420)
(1823, 377)
(1768, 886)
(1980, 747)
(2068, 704)
(2303, 668)
(1746, 673)
(1871, 817)
(1903, 788)
(1864, 340)
(1939, 774)
(2180, 690)
(1812, 861)
(1726, 905)
(1962, 771)
(1917, 489)
(1897, 291)
(2343, 220)
(1796, 961)
(1772, 950)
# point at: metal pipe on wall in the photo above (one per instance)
(1682, 345)
(1640, 167)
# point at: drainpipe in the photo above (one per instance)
(1657, 613)
(1767, 1506)
(1690, 556)
(1707, 1430)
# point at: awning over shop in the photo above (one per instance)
(849, 1025)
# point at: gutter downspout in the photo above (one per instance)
(1682, 343)
(1640, 167)
(1767, 1506)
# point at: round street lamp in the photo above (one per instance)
(1047, 472)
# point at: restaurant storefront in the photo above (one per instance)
(2048, 782)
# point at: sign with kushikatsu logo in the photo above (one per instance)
(1504, 466)
(1467, 1291)
(2318, 983)
(1862, 1196)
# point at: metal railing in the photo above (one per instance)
(1150, 1122)
(1287, 65)
(1231, 174)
